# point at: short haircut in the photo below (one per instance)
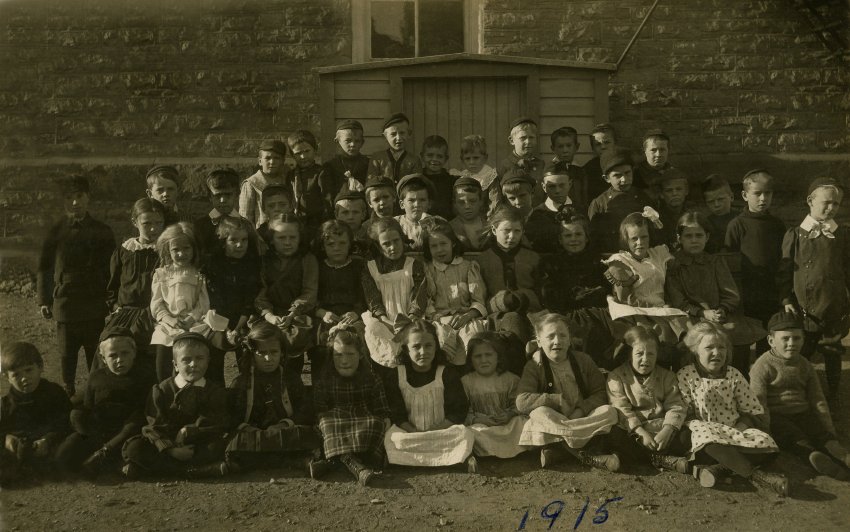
(129, 339)
(494, 340)
(414, 185)
(516, 187)
(379, 187)
(505, 213)
(299, 136)
(641, 334)
(435, 141)
(382, 225)
(603, 128)
(634, 219)
(441, 227)
(468, 189)
(162, 172)
(189, 342)
(231, 224)
(348, 337)
(17, 355)
(702, 329)
(263, 331)
(145, 206)
(569, 215)
(715, 182)
(471, 143)
(524, 126)
(178, 230)
(277, 223)
(656, 137)
(563, 132)
(752, 176)
(692, 219)
(277, 190)
(550, 318)
(222, 178)
(420, 325)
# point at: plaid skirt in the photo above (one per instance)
(274, 440)
(345, 432)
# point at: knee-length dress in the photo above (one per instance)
(489, 396)
(181, 293)
(128, 293)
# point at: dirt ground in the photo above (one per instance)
(414, 499)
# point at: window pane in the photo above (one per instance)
(393, 28)
(440, 27)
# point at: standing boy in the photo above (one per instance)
(543, 229)
(223, 192)
(650, 172)
(603, 139)
(435, 155)
(673, 190)
(395, 162)
(414, 195)
(565, 144)
(349, 168)
(380, 196)
(271, 158)
(717, 195)
(470, 224)
(163, 185)
(523, 157)
(314, 191)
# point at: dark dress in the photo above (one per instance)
(128, 293)
(606, 212)
(442, 204)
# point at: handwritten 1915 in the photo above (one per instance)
(552, 512)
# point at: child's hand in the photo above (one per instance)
(711, 315)
(186, 323)
(742, 425)
(45, 311)
(578, 413)
(788, 308)
(271, 318)
(502, 417)
(460, 320)
(40, 448)
(282, 424)
(663, 438)
(12, 443)
(646, 439)
(354, 185)
(171, 321)
(350, 317)
(232, 337)
(286, 321)
(330, 318)
(408, 427)
(184, 453)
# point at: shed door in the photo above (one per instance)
(456, 107)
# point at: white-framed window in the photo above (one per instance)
(395, 29)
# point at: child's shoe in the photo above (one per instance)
(94, 463)
(318, 467)
(213, 470)
(472, 465)
(679, 464)
(838, 452)
(775, 482)
(825, 465)
(131, 471)
(708, 475)
(362, 473)
(607, 462)
(551, 455)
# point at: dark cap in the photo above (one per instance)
(349, 124)
(396, 118)
(416, 178)
(275, 146)
(615, 157)
(226, 177)
(276, 189)
(516, 175)
(522, 120)
(659, 133)
(783, 321)
(467, 182)
(671, 174)
(114, 331)
(825, 182)
(75, 184)
(378, 181)
(191, 335)
(346, 194)
(713, 182)
(163, 170)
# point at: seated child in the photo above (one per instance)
(395, 162)
(350, 208)
(672, 204)
(565, 144)
(348, 169)
(649, 406)
(113, 407)
(456, 290)
(352, 409)
(395, 290)
(702, 285)
(788, 387)
(725, 418)
(163, 186)
(563, 393)
(272, 409)
(427, 406)
(813, 278)
(273, 171)
(179, 300)
(650, 173)
(314, 190)
(290, 278)
(608, 209)
(380, 196)
(717, 195)
(415, 192)
(187, 419)
(473, 155)
(543, 227)
(603, 139)
(33, 414)
(492, 390)
(223, 193)
(470, 224)
(524, 157)
(434, 155)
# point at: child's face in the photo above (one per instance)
(164, 191)
(286, 240)
(786, 344)
(557, 188)
(441, 248)
(554, 339)
(523, 138)
(711, 353)
(181, 251)
(118, 354)
(520, 199)
(381, 200)
(337, 247)
(224, 199)
(351, 212)
(236, 244)
(25, 379)
(422, 348)
(474, 160)
(643, 357)
(508, 234)
(824, 203)
(719, 201)
(391, 244)
(346, 359)
(191, 362)
(149, 225)
(276, 205)
(758, 195)
(693, 239)
(565, 148)
(350, 140)
(674, 192)
(304, 154)
(396, 136)
(467, 205)
(620, 178)
(601, 143)
(415, 204)
(76, 204)
(271, 162)
(656, 152)
(573, 238)
(637, 237)
(485, 360)
(267, 354)
(433, 159)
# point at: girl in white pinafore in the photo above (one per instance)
(395, 291)
(427, 406)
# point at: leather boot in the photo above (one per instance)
(362, 473)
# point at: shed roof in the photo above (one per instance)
(446, 58)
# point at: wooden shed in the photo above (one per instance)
(462, 94)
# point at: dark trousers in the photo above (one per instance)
(76, 449)
(632, 451)
(832, 353)
(71, 336)
(164, 362)
(143, 453)
(799, 433)
(215, 371)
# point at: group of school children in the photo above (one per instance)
(582, 290)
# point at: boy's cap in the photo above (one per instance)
(115, 331)
(713, 182)
(349, 124)
(378, 181)
(75, 184)
(671, 174)
(559, 168)
(223, 172)
(650, 133)
(517, 175)
(276, 146)
(347, 194)
(416, 178)
(271, 190)
(824, 182)
(396, 118)
(783, 321)
(615, 157)
(191, 335)
(467, 182)
(164, 170)
(522, 120)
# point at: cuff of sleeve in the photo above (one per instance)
(163, 444)
(480, 308)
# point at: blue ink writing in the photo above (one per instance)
(553, 510)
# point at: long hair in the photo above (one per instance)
(634, 219)
(178, 230)
(229, 225)
(494, 340)
(420, 325)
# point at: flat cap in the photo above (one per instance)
(378, 181)
(115, 331)
(346, 194)
(614, 158)
(396, 118)
(416, 178)
(349, 124)
(522, 120)
(516, 175)
(191, 335)
(467, 182)
(783, 321)
(276, 146)
(163, 170)
(825, 182)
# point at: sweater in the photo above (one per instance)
(203, 408)
(42, 413)
(113, 405)
(657, 397)
(758, 237)
(531, 392)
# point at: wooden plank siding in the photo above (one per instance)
(363, 96)
(567, 99)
